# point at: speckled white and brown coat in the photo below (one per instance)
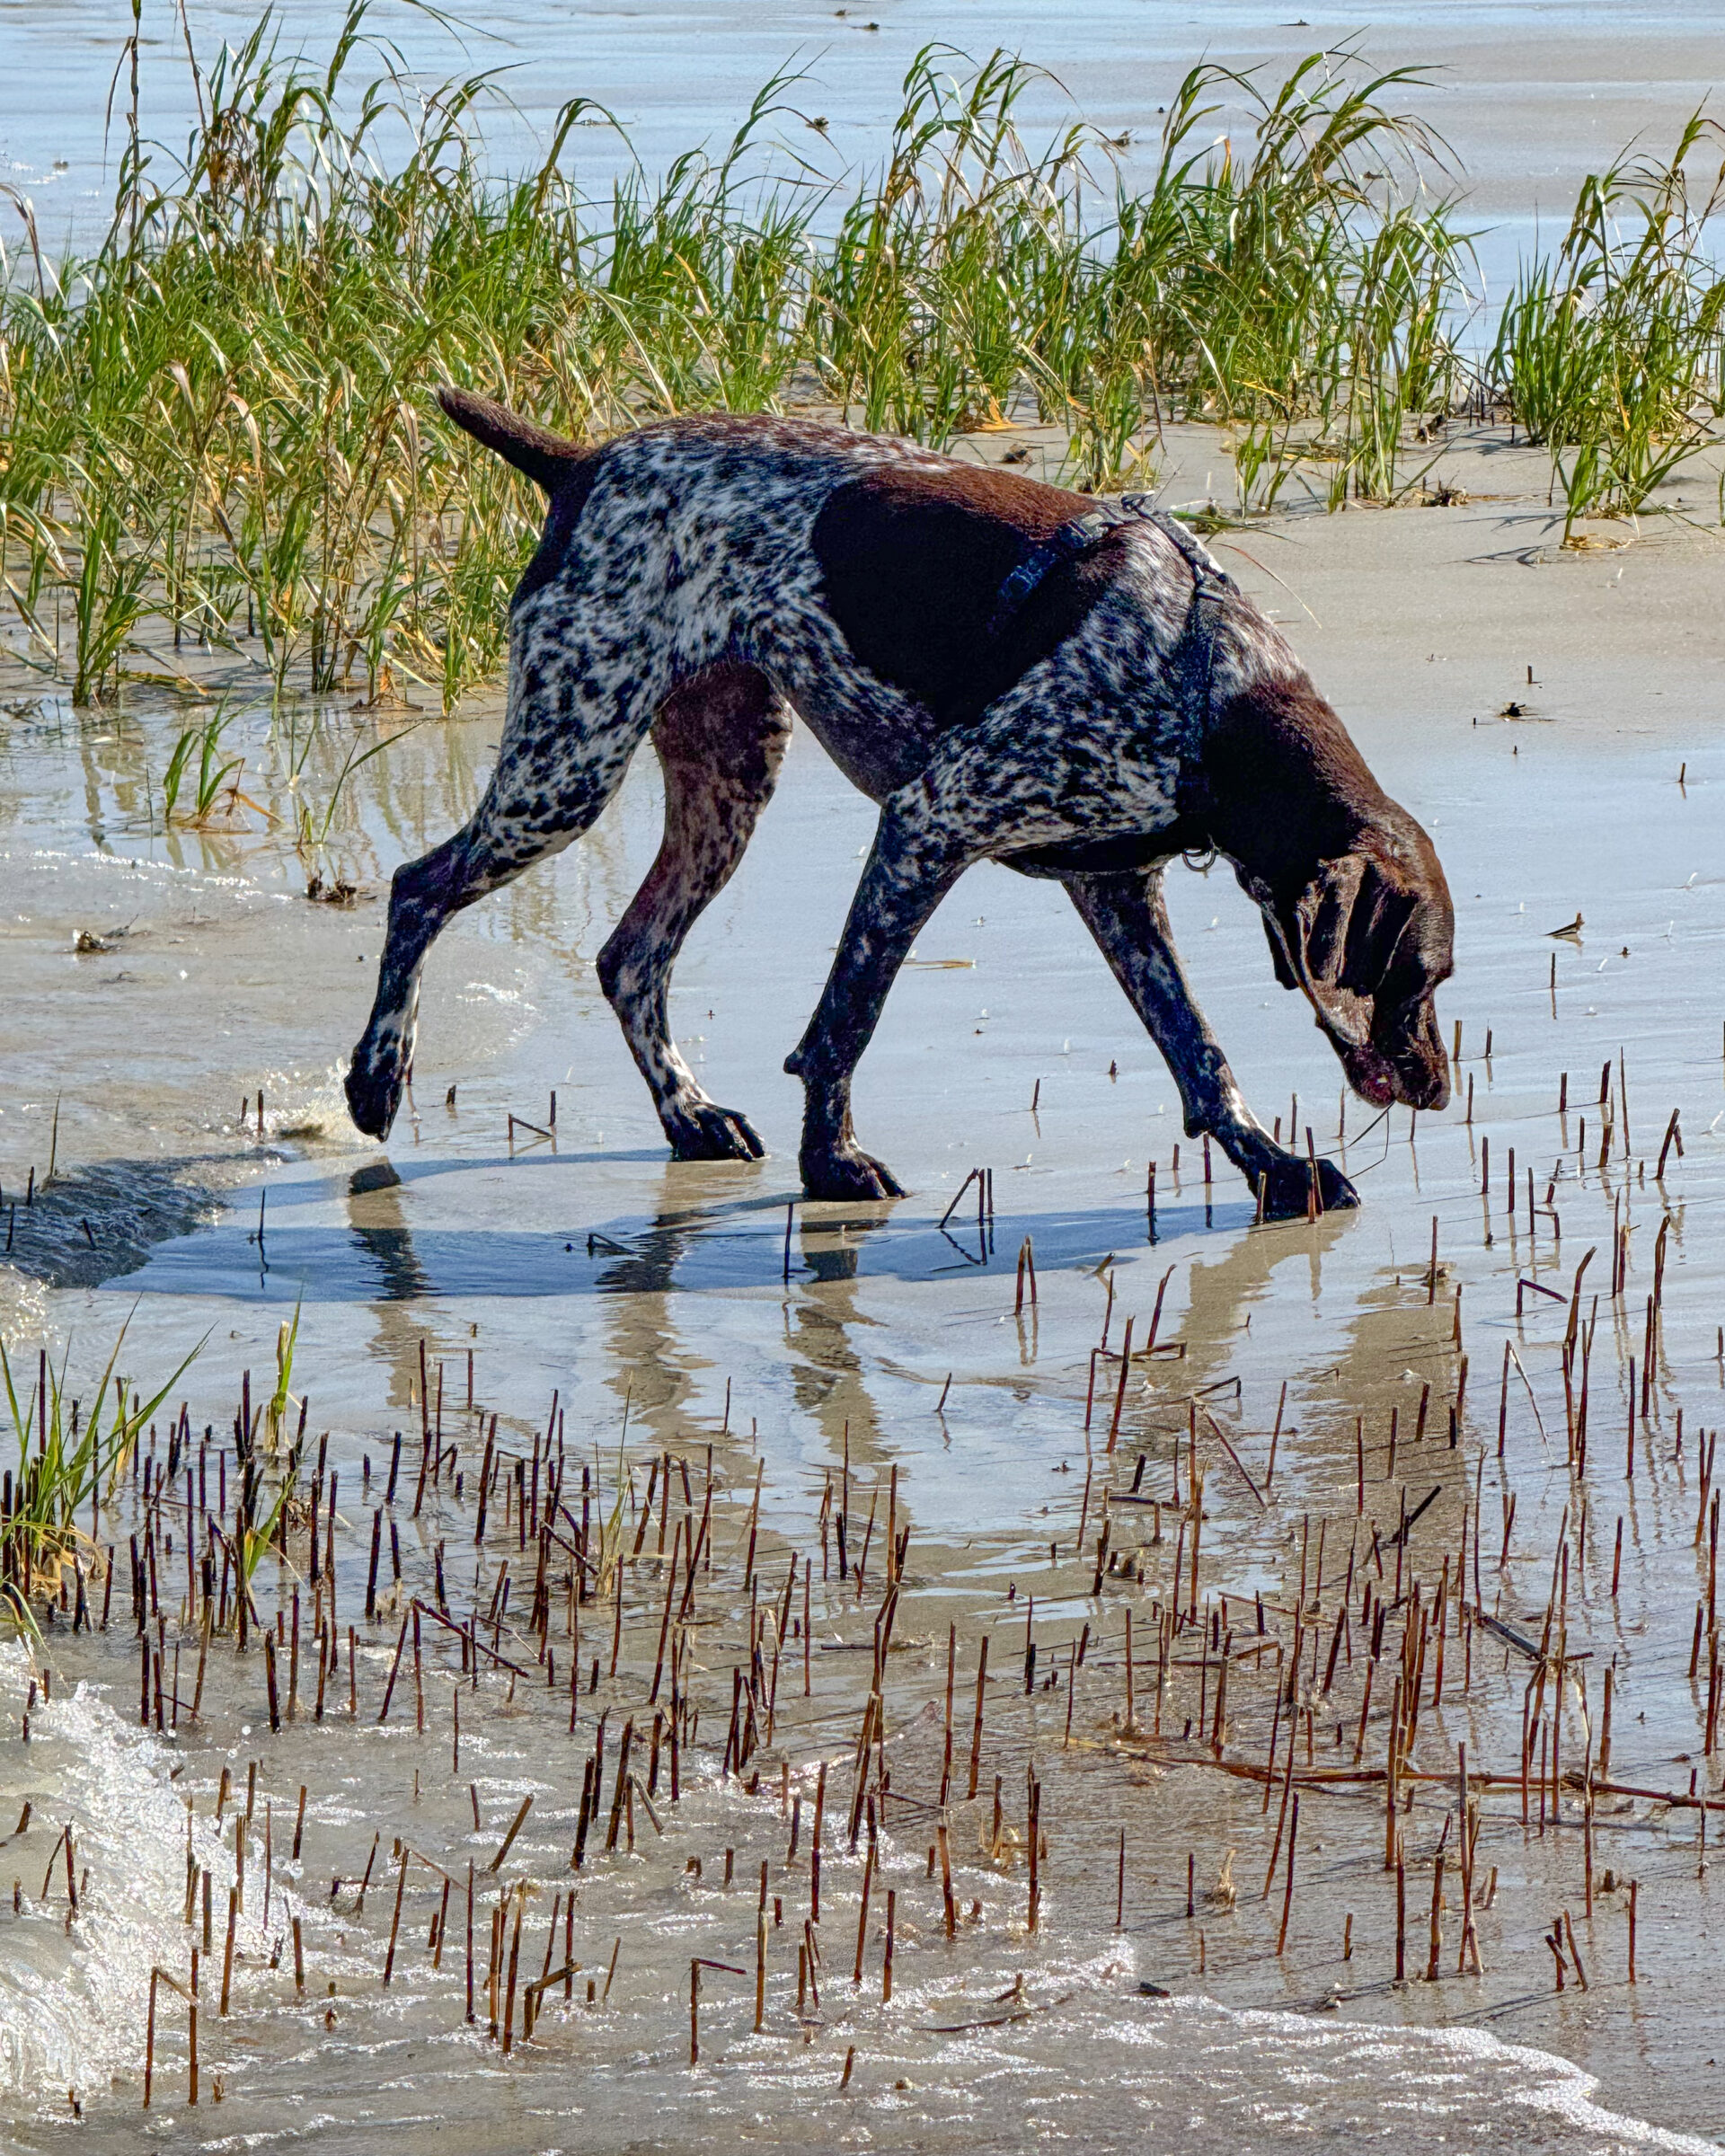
(703, 579)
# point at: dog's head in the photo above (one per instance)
(1368, 939)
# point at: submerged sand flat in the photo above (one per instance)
(653, 1300)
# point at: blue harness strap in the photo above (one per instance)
(1209, 580)
(1193, 657)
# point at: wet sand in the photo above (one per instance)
(653, 1298)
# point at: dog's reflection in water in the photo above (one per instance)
(381, 1235)
(831, 1246)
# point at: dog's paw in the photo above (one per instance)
(1336, 1194)
(1287, 1188)
(848, 1173)
(701, 1130)
(374, 1095)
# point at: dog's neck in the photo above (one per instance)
(1283, 787)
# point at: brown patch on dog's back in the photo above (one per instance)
(912, 561)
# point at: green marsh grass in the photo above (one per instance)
(207, 776)
(1611, 354)
(218, 430)
(62, 1459)
(70, 1464)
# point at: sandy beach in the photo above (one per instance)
(1418, 621)
(1348, 1448)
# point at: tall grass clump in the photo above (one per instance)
(1303, 294)
(1611, 354)
(217, 420)
(1301, 291)
(62, 1460)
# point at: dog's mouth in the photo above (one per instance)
(1414, 1082)
(1410, 1066)
(1371, 1075)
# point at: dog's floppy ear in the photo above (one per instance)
(545, 458)
(1342, 940)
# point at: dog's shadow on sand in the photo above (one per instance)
(712, 1243)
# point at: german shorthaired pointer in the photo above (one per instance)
(1014, 673)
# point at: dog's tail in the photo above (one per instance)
(545, 458)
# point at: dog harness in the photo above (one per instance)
(1194, 656)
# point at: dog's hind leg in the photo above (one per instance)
(720, 739)
(550, 781)
(1129, 918)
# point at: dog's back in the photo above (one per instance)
(859, 572)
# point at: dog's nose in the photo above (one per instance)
(1436, 1092)
(1423, 1082)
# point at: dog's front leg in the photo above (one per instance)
(1129, 918)
(913, 864)
(423, 895)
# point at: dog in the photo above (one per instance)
(1013, 672)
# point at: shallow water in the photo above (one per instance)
(679, 1326)
(1062, 2041)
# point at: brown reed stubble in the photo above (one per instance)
(1424, 1592)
